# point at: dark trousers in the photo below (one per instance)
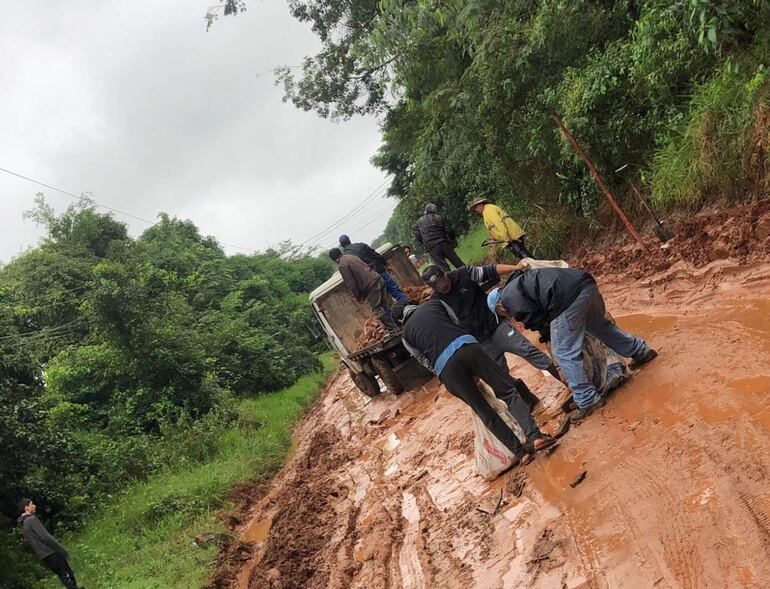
(443, 252)
(471, 361)
(59, 565)
(519, 249)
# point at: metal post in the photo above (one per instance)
(591, 168)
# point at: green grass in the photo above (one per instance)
(469, 245)
(710, 155)
(143, 539)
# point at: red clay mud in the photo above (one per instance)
(382, 493)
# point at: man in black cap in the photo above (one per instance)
(48, 550)
(432, 335)
(433, 233)
(461, 291)
(376, 262)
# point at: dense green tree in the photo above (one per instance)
(467, 91)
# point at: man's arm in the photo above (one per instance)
(447, 229)
(508, 268)
(481, 274)
(416, 232)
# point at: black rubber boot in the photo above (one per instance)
(584, 412)
(529, 397)
(649, 354)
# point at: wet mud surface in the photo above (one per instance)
(382, 493)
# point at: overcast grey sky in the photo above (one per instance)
(137, 103)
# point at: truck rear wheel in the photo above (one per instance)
(388, 376)
(366, 384)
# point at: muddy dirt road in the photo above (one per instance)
(383, 493)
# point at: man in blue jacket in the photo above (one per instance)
(563, 304)
(48, 550)
(432, 335)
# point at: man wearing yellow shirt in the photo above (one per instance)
(501, 227)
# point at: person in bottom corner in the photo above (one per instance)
(432, 335)
(48, 550)
(567, 304)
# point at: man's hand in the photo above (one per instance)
(508, 268)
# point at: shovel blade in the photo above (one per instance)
(663, 233)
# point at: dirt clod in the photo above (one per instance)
(581, 476)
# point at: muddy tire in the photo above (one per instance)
(387, 375)
(365, 383)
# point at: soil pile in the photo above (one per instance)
(741, 234)
(665, 486)
(374, 331)
(418, 294)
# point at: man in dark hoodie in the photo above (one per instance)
(436, 237)
(564, 304)
(48, 550)
(432, 335)
(376, 262)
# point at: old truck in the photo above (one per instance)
(342, 319)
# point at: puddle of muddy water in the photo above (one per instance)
(258, 529)
(648, 324)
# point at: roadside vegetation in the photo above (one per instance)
(126, 359)
(144, 538)
(671, 95)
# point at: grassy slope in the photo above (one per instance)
(143, 539)
(469, 245)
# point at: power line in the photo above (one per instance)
(317, 241)
(109, 208)
(62, 291)
(24, 342)
(39, 332)
(364, 226)
(349, 214)
(75, 196)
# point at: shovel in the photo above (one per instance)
(664, 233)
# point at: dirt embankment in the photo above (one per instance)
(382, 493)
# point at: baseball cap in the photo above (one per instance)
(493, 298)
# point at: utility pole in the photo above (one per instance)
(602, 186)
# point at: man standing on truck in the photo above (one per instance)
(437, 238)
(461, 291)
(376, 262)
(365, 285)
(564, 304)
(432, 335)
(501, 227)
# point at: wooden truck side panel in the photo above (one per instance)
(344, 315)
